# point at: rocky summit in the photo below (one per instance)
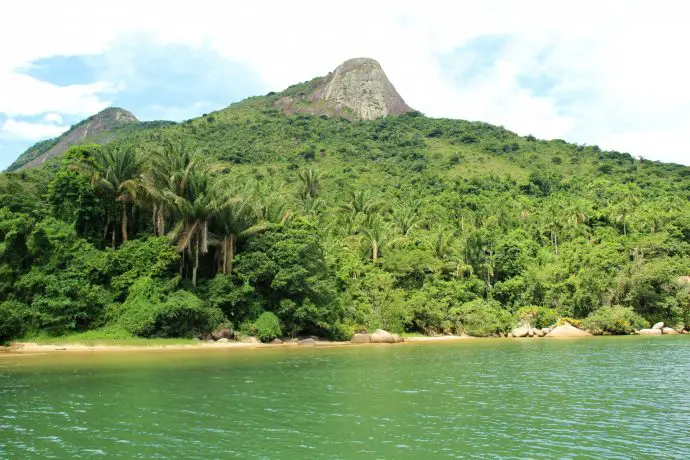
(356, 89)
(87, 130)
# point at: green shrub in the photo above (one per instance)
(15, 319)
(537, 316)
(572, 321)
(150, 312)
(480, 318)
(615, 320)
(268, 327)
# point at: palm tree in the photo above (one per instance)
(271, 198)
(194, 207)
(441, 243)
(376, 231)
(169, 170)
(114, 171)
(554, 222)
(235, 218)
(405, 220)
(311, 185)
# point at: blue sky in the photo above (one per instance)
(155, 82)
(580, 71)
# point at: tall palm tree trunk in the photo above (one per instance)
(154, 220)
(124, 222)
(160, 220)
(196, 260)
(231, 252)
(374, 250)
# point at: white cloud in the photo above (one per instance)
(53, 118)
(13, 129)
(619, 76)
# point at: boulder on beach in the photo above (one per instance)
(381, 336)
(546, 330)
(521, 332)
(222, 333)
(222, 340)
(309, 341)
(668, 330)
(567, 331)
(276, 341)
(649, 332)
(360, 338)
(397, 338)
(659, 325)
(539, 333)
(250, 339)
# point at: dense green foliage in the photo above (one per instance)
(268, 327)
(405, 223)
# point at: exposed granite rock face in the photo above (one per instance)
(357, 89)
(105, 120)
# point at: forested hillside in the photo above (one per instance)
(331, 225)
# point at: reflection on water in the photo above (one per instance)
(613, 397)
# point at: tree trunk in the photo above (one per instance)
(625, 230)
(555, 241)
(112, 237)
(161, 221)
(231, 252)
(105, 230)
(204, 238)
(124, 222)
(196, 260)
(154, 219)
(374, 250)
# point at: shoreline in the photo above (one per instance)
(32, 347)
(19, 348)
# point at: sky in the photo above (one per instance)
(614, 73)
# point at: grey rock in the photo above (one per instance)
(381, 336)
(222, 333)
(649, 332)
(668, 330)
(276, 341)
(358, 89)
(250, 339)
(567, 331)
(659, 325)
(520, 332)
(223, 340)
(309, 341)
(360, 338)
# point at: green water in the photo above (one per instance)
(625, 397)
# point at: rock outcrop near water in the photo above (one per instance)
(357, 89)
(378, 336)
(567, 331)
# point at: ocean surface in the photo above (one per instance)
(607, 397)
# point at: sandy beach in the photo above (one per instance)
(30, 347)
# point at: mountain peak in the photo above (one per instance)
(106, 120)
(358, 88)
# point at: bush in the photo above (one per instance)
(537, 316)
(268, 327)
(150, 312)
(480, 318)
(615, 320)
(572, 321)
(15, 318)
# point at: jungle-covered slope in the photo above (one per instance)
(310, 224)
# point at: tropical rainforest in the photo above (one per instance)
(286, 225)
